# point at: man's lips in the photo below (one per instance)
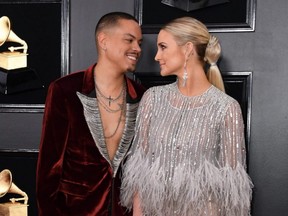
(133, 57)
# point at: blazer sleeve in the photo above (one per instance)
(51, 150)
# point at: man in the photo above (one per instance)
(88, 126)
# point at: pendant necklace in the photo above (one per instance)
(109, 109)
(110, 99)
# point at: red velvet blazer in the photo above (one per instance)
(73, 178)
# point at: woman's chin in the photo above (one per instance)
(163, 73)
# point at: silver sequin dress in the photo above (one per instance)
(188, 156)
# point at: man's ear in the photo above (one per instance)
(102, 40)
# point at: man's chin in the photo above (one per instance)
(131, 69)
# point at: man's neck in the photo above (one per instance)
(108, 79)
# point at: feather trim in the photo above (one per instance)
(207, 190)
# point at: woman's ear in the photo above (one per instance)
(189, 49)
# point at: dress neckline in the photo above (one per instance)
(177, 90)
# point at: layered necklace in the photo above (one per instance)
(110, 99)
(106, 102)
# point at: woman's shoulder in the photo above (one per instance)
(224, 99)
(156, 92)
(161, 88)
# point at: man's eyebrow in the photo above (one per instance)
(128, 34)
(131, 35)
(134, 37)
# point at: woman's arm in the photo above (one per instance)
(133, 167)
(137, 205)
(232, 138)
(237, 185)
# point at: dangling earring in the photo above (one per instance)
(185, 76)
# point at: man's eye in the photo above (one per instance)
(129, 40)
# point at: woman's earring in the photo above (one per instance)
(185, 76)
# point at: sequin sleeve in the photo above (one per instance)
(143, 120)
(237, 185)
(232, 137)
(132, 167)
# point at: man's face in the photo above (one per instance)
(123, 45)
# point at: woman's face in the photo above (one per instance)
(170, 55)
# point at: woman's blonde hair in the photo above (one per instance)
(207, 46)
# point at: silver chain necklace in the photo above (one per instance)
(121, 108)
(108, 108)
(110, 99)
(122, 113)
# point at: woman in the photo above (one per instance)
(188, 154)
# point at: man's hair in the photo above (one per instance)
(111, 20)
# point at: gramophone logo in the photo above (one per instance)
(190, 5)
(15, 76)
(14, 207)
(12, 59)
